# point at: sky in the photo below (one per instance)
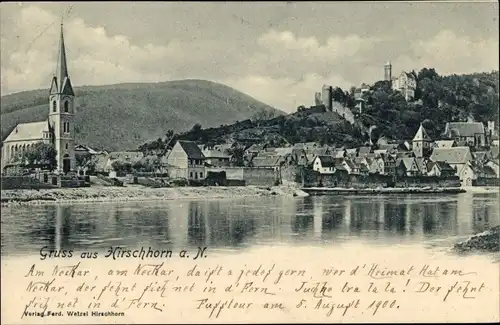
(280, 53)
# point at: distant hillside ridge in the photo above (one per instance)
(123, 116)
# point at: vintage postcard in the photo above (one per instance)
(249, 162)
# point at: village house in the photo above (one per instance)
(481, 156)
(468, 133)
(383, 165)
(216, 158)
(494, 165)
(422, 165)
(407, 167)
(467, 174)
(267, 159)
(440, 169)
(187, 161)
(324, 164)
(351, 167)
(457, 157)
(364, 151)
(444, 144)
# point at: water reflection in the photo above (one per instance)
(240, 223)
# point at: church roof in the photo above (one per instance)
(28, 131)
(455, 155)
(464, 129)
(61, 82)
(421, 135)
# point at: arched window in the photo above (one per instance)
(54, 106)
(66, 106)
(67, 146)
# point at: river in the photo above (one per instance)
(229, 225)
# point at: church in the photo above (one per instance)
(58, 129)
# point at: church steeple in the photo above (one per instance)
(61, 83)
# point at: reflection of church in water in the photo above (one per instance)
(58, 129)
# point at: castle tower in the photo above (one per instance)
(421, 143)
(61, 113)
(388, 71)
(326, 96)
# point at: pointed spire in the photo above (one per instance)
(63, 84)
(421, 134)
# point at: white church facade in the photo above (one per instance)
(58, 129)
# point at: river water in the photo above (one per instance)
(237, 224)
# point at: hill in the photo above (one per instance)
(123, 116)
(439, 99)
(314, 124)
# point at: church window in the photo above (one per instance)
(54, 106)
(66, 106)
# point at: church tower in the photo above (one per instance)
(62, 113)
(421, 143)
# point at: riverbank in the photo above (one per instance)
(382, 190)
(488, 241)
(139, 193)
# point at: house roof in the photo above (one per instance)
(364, 151)
(266, 159)
(408, 162)
(494, 152)
(421, 162)
(28, 131)
(222, 147)
(455, 155)
(464, 129)
(352, 151)
(211, 153)
(191, 148)
(339, 153)
(284, 151)
(126, 155)
(481, 155)
(444, 166)
(421, 135)
(444, 143)
(327, 161)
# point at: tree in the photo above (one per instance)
(41, 153)
(86, 160)
(237, 153)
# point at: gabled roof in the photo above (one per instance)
(421, 163)
(28, 131)
(327, 161)
(444, 143)
(284, 151)
(407, 162)
(211, 153)
(364, 151)
(444, 166)
(266, 159)
(464, 129)
(481, 155)
(191, 149)
(421, 135)
(455, 155)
